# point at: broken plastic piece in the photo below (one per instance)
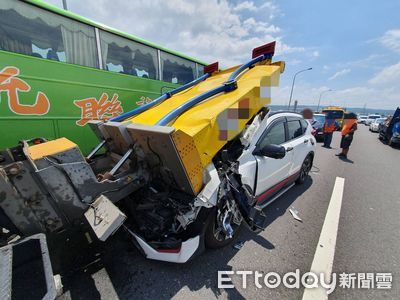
(104, 217)
(295, 214)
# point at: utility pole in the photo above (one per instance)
(320, 95)
(294, 79)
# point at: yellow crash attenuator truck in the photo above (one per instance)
(165, 172)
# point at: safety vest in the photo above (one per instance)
(347, 125)
(329, 126)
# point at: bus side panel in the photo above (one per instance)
(44, 98)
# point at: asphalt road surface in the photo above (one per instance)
(364, 239)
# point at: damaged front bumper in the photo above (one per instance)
(181, 254)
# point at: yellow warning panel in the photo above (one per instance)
(174, 150)
(190, 159)
(50, 148)
(214, 122)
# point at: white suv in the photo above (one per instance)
(277, 151)
(280, 153)
(371, 118)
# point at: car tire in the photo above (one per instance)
(210, 239)
(305, 169)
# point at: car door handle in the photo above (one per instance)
(305, 141)
(289, 149)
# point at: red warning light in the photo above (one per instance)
(211, 68)
(264, 49)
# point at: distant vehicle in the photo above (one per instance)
(389, 130)
(374, 126)
(361, 119)
(371, 118)
(317, 124)
(337, 114)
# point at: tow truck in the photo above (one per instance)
(166, 172)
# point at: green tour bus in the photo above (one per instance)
(59, 70)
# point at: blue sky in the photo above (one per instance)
(348, 37)
(352, 46)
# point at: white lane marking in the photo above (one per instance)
(325, 252)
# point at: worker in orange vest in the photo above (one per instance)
(349, 127)
(330, 126)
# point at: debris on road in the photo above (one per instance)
(238, 245)
(315, 170)
(295, 214)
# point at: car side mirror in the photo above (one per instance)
(272, 151)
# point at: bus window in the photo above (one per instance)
(200, 70)
(128, 57)
(176, 69)
(29, 30)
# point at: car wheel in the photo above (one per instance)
(305, 170)
(224, 226)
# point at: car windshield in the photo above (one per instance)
(380, 120)
(363, 117)
(374, 117)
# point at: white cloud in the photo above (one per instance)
(272, 9)
(339, 74)
(391, 40)
(257, 26)
(304, 92)
(381, 91)
(210, 30)
(268, 8)
(388, 76)
(245, 5)
(371, 61)
(315, 53)
(383, 98)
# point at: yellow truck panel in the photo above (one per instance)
(215, 121)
